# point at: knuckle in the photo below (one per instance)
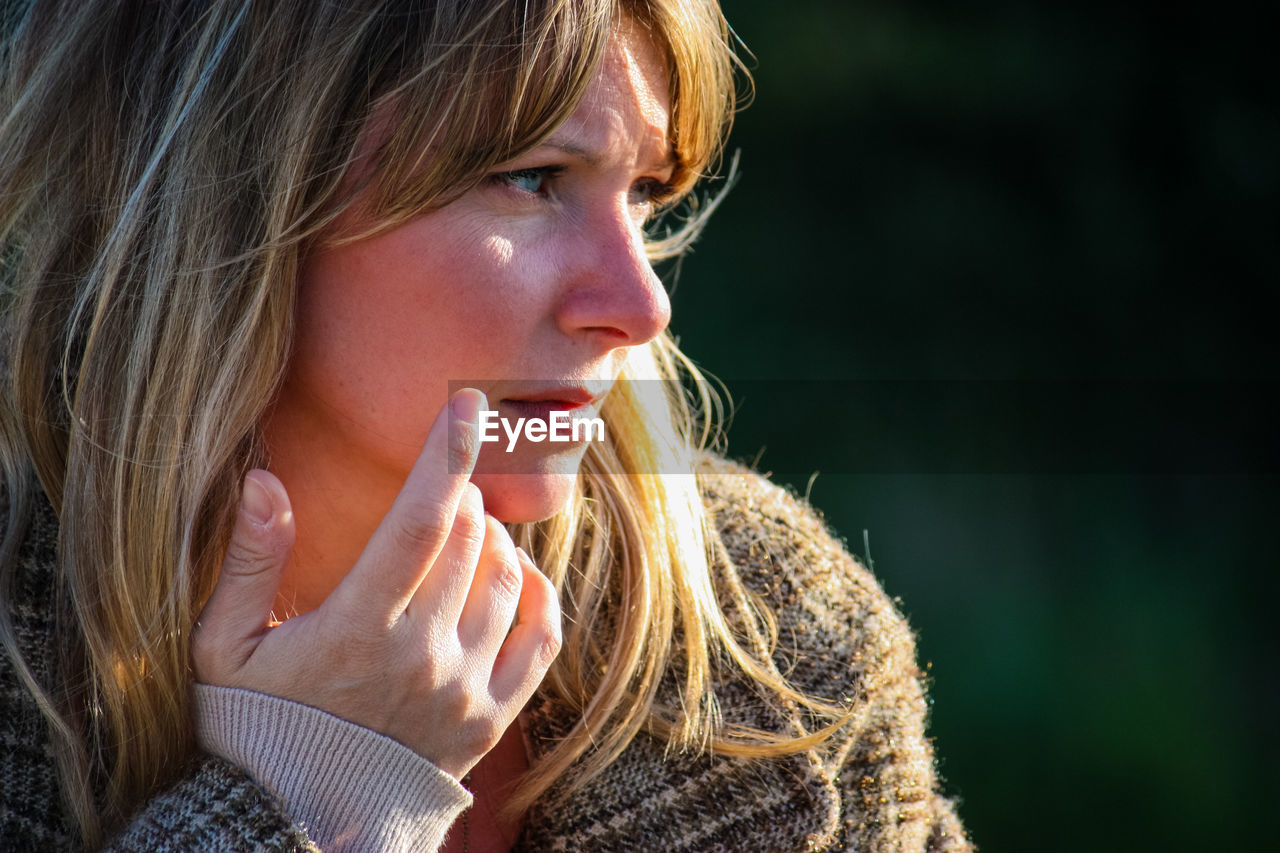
(549, 644)
(244, 559)
(432, 666)
(455, 701)
(482, 734)
(462, 448)
(550, 596)
(507, 577)
(421, 532)
(469, 522)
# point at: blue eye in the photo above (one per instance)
(529, 180)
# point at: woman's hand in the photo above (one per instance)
(414, 641)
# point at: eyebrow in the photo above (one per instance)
(593, 160)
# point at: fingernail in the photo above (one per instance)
(255, 501)
(466, 405)
(525, 555)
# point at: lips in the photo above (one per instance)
(537, 409)
(565, 405)
(540, 403)
(567, 398)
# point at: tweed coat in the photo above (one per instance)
(872, 787)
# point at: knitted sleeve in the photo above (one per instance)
(352, 788)
(841, 638)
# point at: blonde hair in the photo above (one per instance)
(164, 166)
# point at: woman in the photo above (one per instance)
(246, 248)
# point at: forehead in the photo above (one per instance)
(627, 102)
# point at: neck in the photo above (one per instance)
(338, 501)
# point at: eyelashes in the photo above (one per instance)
(538, 181)
(656, 193)
(531, 181)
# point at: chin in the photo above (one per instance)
(517, 490)
(513, 498)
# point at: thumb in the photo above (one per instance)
(237, 614)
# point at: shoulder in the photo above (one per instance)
(838, 638)
(839, 633)
(869, 785)
(772, 527)
(212, 806)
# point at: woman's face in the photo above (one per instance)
(534, 282)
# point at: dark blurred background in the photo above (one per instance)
(963, 192)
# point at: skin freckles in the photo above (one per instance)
(536, 275)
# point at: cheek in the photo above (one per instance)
(385, 324)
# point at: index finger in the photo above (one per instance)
(412, 533)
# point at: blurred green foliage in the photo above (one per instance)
(996, 190)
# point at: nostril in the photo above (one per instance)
(613, 292)
(612, 334)
(616, 315)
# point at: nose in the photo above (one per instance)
(614, 296)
